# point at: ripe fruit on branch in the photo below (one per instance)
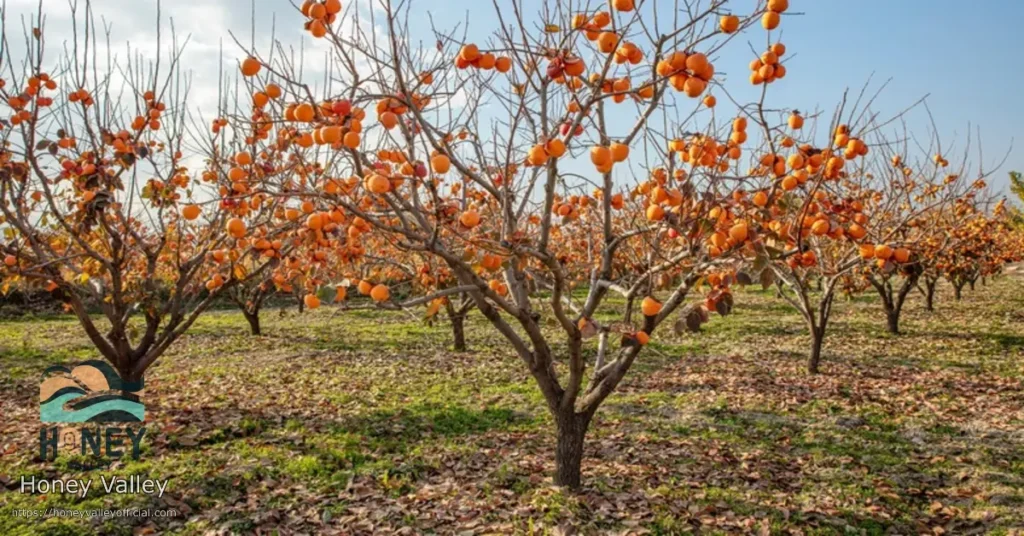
(655, 213)
(469, 219)
(236, 227)
(469, 52)
(191, 212)
(600, 155)
(760, 199)
(883, 252)
(607, 41)
(251, 66)
(796, 121)
(623, 5)
(378, 184)
(739, 231)
(729, 23)
(304, 112)
(380, 293)
(440, 164)
(619, 151)
(555, 148)
(650, 306)
(537, 155)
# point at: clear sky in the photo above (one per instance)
(961, 54)
(964, 55)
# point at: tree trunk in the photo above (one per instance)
(929, 295)
(957, 289)
(817, 339)
(254, 321)
(892, 317)
(971, 283)
(127, 373)
(572, 429)
(890, 305)
(459, 332)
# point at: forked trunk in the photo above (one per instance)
(128, 372)
(127, 376)
(572, 429)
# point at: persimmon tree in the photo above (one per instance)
(937, 238)
(457, 307)
(930, 195)
(99, 203)
(946, 246)
(981, 241)
(847, 204)
(544, 225)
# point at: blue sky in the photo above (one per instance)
(962, 55)
(959, 53)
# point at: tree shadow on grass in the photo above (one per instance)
(393, 430)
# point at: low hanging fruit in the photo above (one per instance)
(380, 293)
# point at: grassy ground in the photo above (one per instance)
(365, 422)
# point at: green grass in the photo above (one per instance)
(363, 420)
